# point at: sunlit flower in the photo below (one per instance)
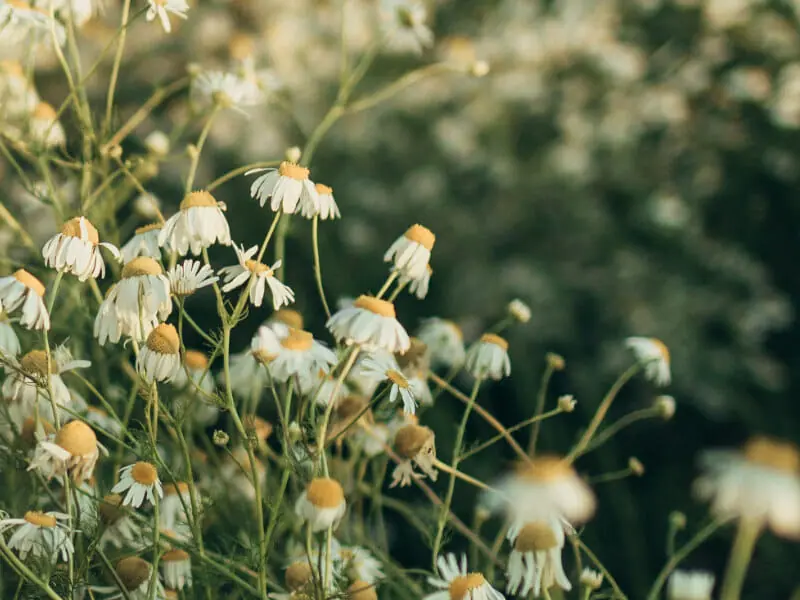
(224, 90)
(455, 582)
(139, 481)
(370, 323)
(385, 366)
(73, 450)
(535, 562)
(653, 354)
(136, 304)
(135, 574)
(690, 585)
(519, 311)
(321, 504)
(488, 358)
(288, 189)
(263, 276)
(43, 535)
(444, 340)
(415, 445)
(360, 564)
(326, 207)
(76, 250)
(198, 224)
(189, 276)
(23, 290)
(300, 355)
(9, 342)
(160, 358)
(403, 23)
(419, 285)
(45, 128)
(176, 567)
(411, 252)
(759, 485)
(143, 243)
(163, 8)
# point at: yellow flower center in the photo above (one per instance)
(144, 473)
(349, 406)
(34, 517)
(44, 112)
(324, 492)
(298, 340)
(141, 266)
(546, 468)
(361, 590)
(164, 339)
(461, 587)
(491, 338)
(289, 317)
(133, 572)
(12, 67)
(257, 267)
(411, 439)
(110, 509)
(421, 235)
(35, 363)
(72, 228)
(241, 46)
(384, 308)
(535, 536)
(287, 169)
(297, 575)
(30, 282)
(662, 348)
(200, 198)
(323, 189)
(148, 228)
(397, 378)
(773, 454)
(195, 360)
(175, 555)
(77, 438)
(173, 489)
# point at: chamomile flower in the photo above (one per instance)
(43, 535)
(418, 285)
(444, 340)
(535, 562)
(22, 290)
(76, 250)
(759, 485)
(198, 224)
(143, 243)
(139, 481)
(362, 590)
(591, 579)
(488, 358)
(172, 513)
(653, 355)
(45, 129)
(519, 311)
(287, 188)
(281, 320)
(370, 323)
(9, 342)
(690, 585)
(73, 451)
(403, 23)
(135, 575)
(262, 275)
(300, 355)
(176, 568)
(385, 366)
(455, 582)
(322, 504)
(411, 252)
(160, 359)
(297, 577)
(189, 276)
(326, 206)
(224, 90)
(136, 304)
(195, 365)
(416, 445)
(359, 564)
(548, 487)
(163, 8)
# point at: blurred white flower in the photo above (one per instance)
(403, 24)
(163, 8)
(690, 585)
(76, 250)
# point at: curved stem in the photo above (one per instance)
(112, 84)
(741, 553)
(317, 266)
(199, 149)
(541, 397)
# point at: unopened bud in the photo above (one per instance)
(677, 520)
(519, 310)
(295, 432)
(191, 151)
(147, 206)
(220, 438)
(567, 403)
(114, 151)
(555, 361)
(482, 513)
(157, 143)
(480, 68)
(636, 466)
(194, 69)
(293, 154)
(665, 405)
(591, 579)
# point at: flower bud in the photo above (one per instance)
(520, 311)
(220, 438)
(293, 154)
(636, 466)
(677, 520)
(555, 361)
(157, 143)
(567, 403)
(480, 68)
(665, 405)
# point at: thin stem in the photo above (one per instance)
(512, 429)
(317, 265)
(741, 553)
(461, 475)
(198, 149)
(626, 421)
(541, 397)
(600, 567)
(112, 84)
(239, 171)
(152, 586)
(25, 572)
(386, 284)
(448, 500)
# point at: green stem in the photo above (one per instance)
(198, 149)
(323, 430)
(622, 423)
(112, 84)
(741, 553)
(541, 397)
(317, 265)
(619, 595)
(512, 429)
(152, 587)
(25, 572)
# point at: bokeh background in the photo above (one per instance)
(626, 167)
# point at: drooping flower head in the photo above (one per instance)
(198, 224)
(263, 276)
(135, 574)
(414, 444)
(76, 250)
(456, 582)
(488, 358)
(143, 243)
(160, 359)
(444, 340)
(322, 504)
(23, 290)
(43, 535)
(300, 355)
(140, 481)
(370, 323)
(535, 561)
(73, 451)
(411, 252)
(654, 356)
(326, 205)
(288, 189)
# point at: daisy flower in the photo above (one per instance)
(370, 323)
(199, 223)
(135, 575)
(519, 311)
(23, 290)
(418, 285)
(321, 504)
(591, 579)
(411, 252)
(385, 366)
(76, 250)
(444, 340)
(45, 128)
(120, 529)
(488, 358)
(403, 24)
(416, 445)
(176, 568)
(759, 485)
(143, 243)
(535, 562)
(359, 564)
(653, 355)
(455, 582)
(43, 535)
(362, 590)
(140, 481)
(284, 318)
(136, 304)
(73, 451)
(163, 8)
(326, 207)
(224, 90)
(9, 342)
(189, 276)
(288, 189)
(263, 276)
(300, 355)
(690, 585)
(297, 577)
(196, 365)
(160, 359)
